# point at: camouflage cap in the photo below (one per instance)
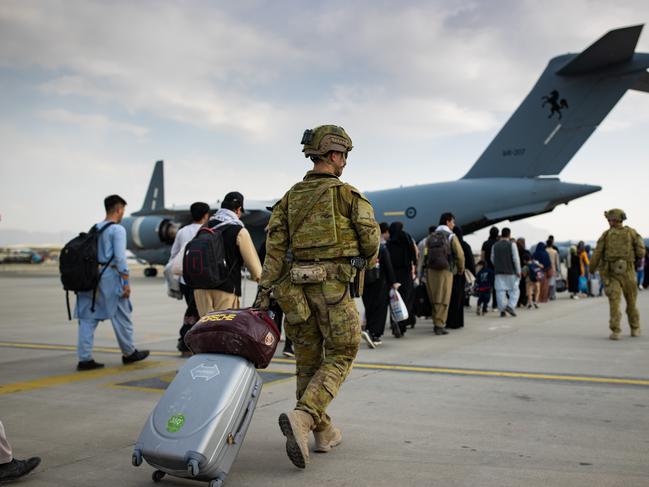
(615, 214)
(325, 138)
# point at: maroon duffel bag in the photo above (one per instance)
(248, 332)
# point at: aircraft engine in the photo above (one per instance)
(149, 232)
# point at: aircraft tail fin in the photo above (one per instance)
(154, 201)
(567, 103)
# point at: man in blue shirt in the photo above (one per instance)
(112, 295)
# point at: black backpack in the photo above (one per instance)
(79, 264)
(439, 251)
(204, 262)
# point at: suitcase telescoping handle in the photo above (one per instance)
(238, 436)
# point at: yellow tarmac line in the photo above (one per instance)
(396, 368)
(490, 373)
(58, 380)
(73, 348)
(514, 375)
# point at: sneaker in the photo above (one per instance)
(529, 306)
(136, 356)
(377, 341)
(287, 352)
(503, 314)
(614, 336)
(368, 339)
(440, 331)
(89, 365)
(510, 310)
(635, 332)
(536, 306)
(18, 468)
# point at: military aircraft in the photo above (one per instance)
(514, 178)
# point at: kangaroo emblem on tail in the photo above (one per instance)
(556, 105)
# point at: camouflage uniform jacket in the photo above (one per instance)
(359, 235)
(622, 243)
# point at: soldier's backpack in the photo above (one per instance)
(79, 264)
(439, 251)
(619, 244)
(204, 262)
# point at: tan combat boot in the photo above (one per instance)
(635, 332)
(327, 439)
(614, 336)
(296, 426)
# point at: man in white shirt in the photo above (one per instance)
(200, 214)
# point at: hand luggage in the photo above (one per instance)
(197, 428)
(247, 332)
(398, 309)
(594, 286)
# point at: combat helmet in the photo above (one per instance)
(325, 138)
(615, 214)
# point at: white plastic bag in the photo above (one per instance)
(177, 262)
(398, 308)
(172, 281)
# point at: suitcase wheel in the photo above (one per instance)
(158, 475)
(136, 459)
(192, 467)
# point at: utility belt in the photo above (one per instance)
(343, 270)
(289, 291)
(303, 272)
(619, 266)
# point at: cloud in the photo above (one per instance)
(224, 90)
(95, 122)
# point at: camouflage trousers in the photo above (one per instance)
(325, 347)
(615, 286)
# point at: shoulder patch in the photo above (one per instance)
(355, 191)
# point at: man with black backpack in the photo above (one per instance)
(213, 259)
(110, 299)
(444, 257)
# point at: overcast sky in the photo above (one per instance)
(93, 93)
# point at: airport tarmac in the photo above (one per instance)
(543, 399)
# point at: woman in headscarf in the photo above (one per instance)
(456, 305)
(573, 273)
(522, 254)
(541, 255)
(403, 255)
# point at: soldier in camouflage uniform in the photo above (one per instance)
(617, 250)
(314, 231)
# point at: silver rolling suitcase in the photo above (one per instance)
(197, 428)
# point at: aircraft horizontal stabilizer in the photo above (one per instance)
(616, 46)
(642, 84)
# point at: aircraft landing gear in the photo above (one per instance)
(150, 272)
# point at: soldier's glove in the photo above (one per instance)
(262, 301)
